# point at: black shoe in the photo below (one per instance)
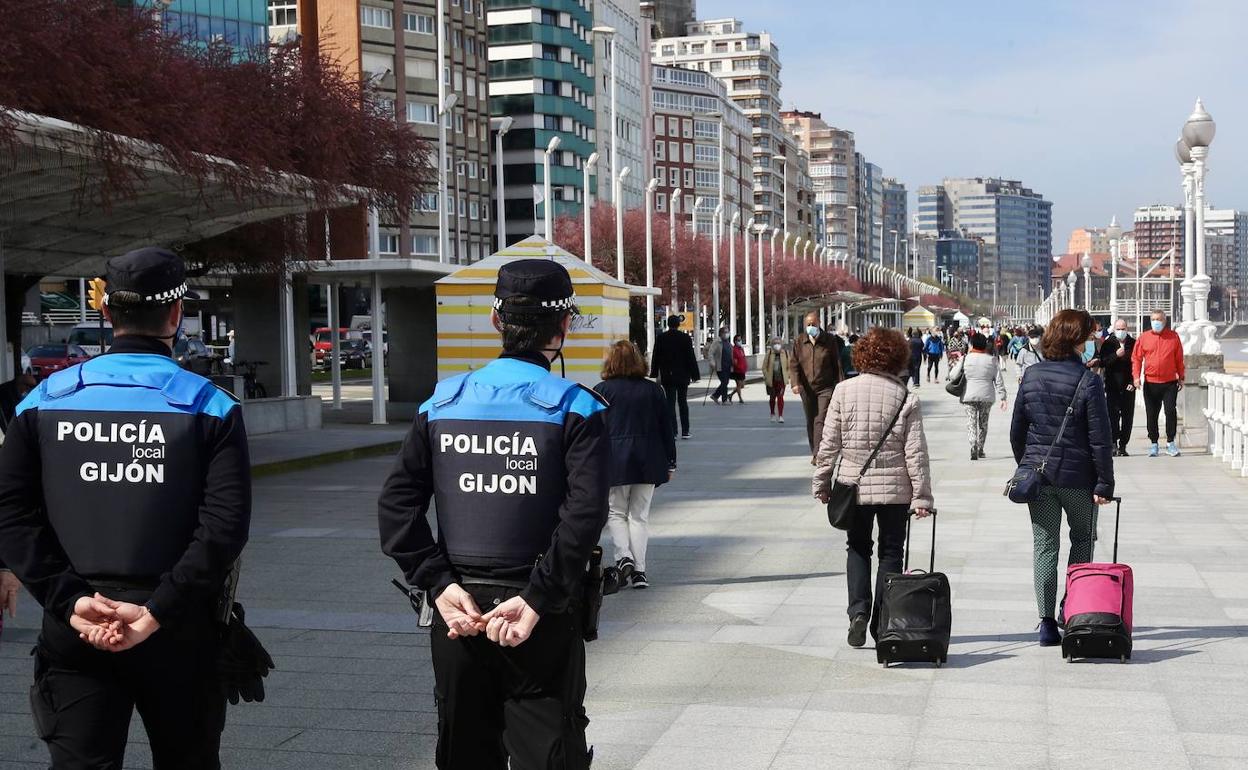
(858, 631)
(974, 454)
(639, 580)
(686, 435)
(1049, 635)
(1122, 452)
(625, 567)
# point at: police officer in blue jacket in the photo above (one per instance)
(516, 460)
(125, 498)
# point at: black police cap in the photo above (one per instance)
(147, 276)
(542, 282)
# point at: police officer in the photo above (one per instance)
(125, 497)
(516, 460)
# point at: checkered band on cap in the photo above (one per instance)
(163, 298)
(567, 303)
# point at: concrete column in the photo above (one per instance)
(301, 332)
(379, 366)
(335, 365)
(256, 326)
(413, 340)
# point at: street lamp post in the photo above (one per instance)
(762, 312)
(749, 318)
(446, 103)
(880, 225)
(548, 209)
(1114, 233)
(896, 248)
(619, 226)
(775, 233)
(588, 234)
(1198, 133)
(784, 192)
(1086, 262)
(650, 188)
(732, 272)
(673, 208)
(697, 287)
(1071, 279)
(716, 234)
(501, 126)
(1187, 315)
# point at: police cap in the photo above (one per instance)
(147, 276)
(543, 286)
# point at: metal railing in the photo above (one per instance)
(58, 318)
(1227, 412)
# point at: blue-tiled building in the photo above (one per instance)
(240, 23)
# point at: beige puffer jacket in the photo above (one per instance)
(861, 409)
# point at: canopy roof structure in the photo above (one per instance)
(852, 299)
(47, 227)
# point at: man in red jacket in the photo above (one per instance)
(1157, 364)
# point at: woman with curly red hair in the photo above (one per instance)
(876, 403)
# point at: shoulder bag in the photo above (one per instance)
(843, 499)
(957, 384)
(1024, 486)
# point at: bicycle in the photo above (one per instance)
(252, 387)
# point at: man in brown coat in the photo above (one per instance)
(814, 370)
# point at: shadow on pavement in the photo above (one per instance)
(757, 579)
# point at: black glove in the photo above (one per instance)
(242, 662)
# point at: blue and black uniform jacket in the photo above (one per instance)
(125, 470)
(516, 460)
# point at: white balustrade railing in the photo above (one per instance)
(1227, 412)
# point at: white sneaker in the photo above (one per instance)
(779, 419)
(773, 418)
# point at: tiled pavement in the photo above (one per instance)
(736, 657)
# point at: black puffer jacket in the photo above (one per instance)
(1083, 458)
(643, 445)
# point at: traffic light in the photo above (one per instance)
(97, 293)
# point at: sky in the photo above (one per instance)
(1081, 101)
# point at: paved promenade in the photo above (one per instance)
(736, 657)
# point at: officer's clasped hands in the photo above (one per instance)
(111, 626)
(459, 612)
(510, 623)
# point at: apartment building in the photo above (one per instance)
(831, 165)
(632, 53)
(896, 223)
(689, 108)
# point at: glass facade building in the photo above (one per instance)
(242, 24)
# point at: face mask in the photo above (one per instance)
(1034, 340)
(1120, 333)
(813, 331)
(1089, 350)
(777, 347)
(724, 337)
(1159, 326)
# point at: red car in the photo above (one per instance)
(321, 342)
(47, 359)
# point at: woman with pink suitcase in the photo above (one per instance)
(1061, 439)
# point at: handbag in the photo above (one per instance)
(843, 499)
(1024, 485)
(957, 385)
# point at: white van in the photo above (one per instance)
(87, 336)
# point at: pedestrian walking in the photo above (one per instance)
(125, 502)
(675, 366)
(1029, 354)
(915, 362)
(814, 371)
(1077, 463)
(643, 456)
(985, 384)
(776, 377)
(935, 350)
(958, 346)
(739, 367)
(875, 404)
(517, 459)
(1116, 355)
(1157, 366)
(719, 354)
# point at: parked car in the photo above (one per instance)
(385, 343)
(87, 336)
(354, 354)
(47, 359)
(193, 355)
(321, 341)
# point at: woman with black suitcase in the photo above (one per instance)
(1061, 425)
(872, 406)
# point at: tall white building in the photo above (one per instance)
(748, 63)
(625, 17)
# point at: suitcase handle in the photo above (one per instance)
(932, 562)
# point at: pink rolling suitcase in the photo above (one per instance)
(1098, 607)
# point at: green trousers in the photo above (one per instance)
(1046, 529)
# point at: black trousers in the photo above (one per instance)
(892, 523)
(722, 391)
(1156, 396)
(83, 698)
(916, 368)
(933, 363)
(1121, 414)
(678, 401)
(525, 704)
(815, 404)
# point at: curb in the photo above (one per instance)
(328, 458)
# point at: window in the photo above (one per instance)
(470, 45)
(472, 172)
(717, 66)
(420, 112)
(550, 87)
(550, 122)
(660, 202)
(459, 124)
(468, 6)
(283, 13)
(660, 125)
(550, 52)
(463, 208)
(474, 210)
(471, 85)
(424, 244)
(377, 17)
(669, 50)
(673, 151)
(472, 128)
(705, 153)
(418, 22)
(674, 177)
(550, 18)
(388, 243)
(689, 178)
(457, 39)
(706, 178)
(659, 153)
(427, 202)
(688, 152)
(688, 128)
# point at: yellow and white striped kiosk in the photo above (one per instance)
(467, 340)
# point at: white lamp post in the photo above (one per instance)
(673, 208)
(697, 288)
(609, 34)
(716, 234)
(446, 103)
(1071, 279)
(650, 188)
(749, 318)
(589, 245)
(1198, 133)
(1086, 262)
(784, 192)
(775, 233)
(619, 226)
(1184, 321)
(501, 127)
(1114, 233)
(546, 202)
(732, 272)
(762, 314)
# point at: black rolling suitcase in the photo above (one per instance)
(916, 613)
